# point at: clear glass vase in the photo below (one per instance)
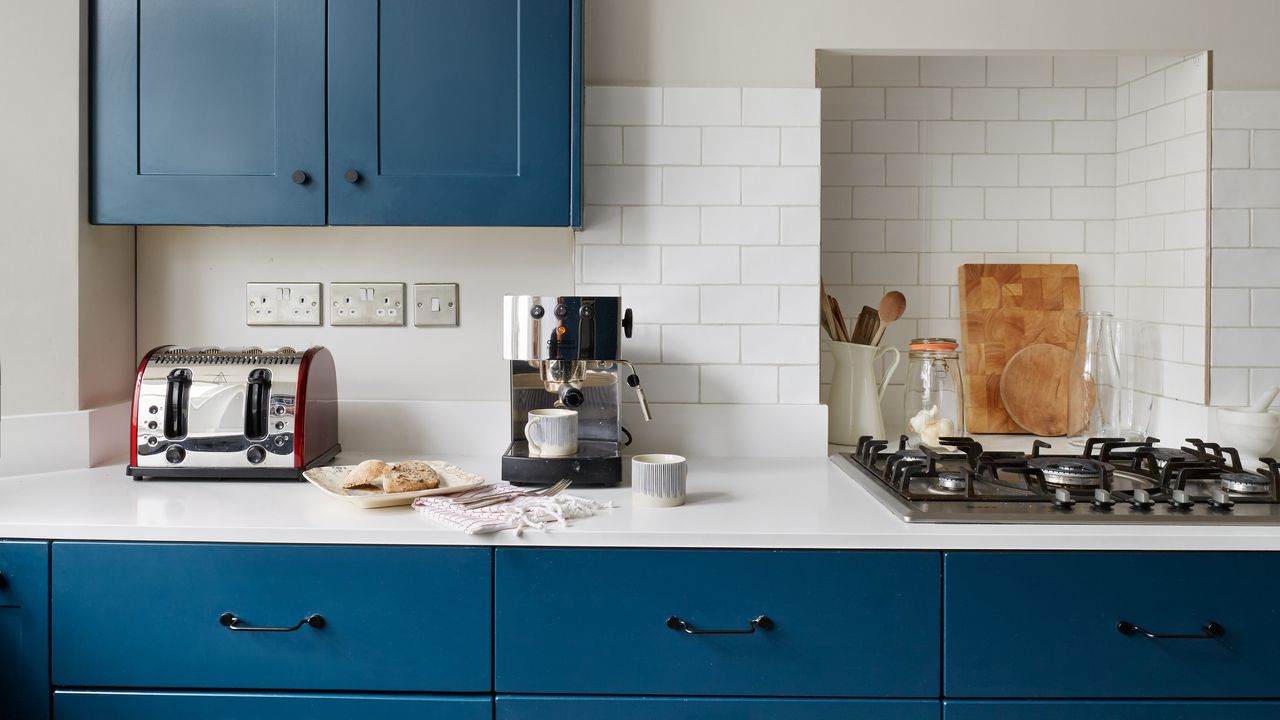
(1093, 390)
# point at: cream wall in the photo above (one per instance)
(771, 43)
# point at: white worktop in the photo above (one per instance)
(733, 503)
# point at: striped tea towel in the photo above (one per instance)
(517, 514)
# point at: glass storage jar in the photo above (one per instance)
(935, 391)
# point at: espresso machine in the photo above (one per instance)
(564, 353)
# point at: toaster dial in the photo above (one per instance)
(175, 454)
(255, 454)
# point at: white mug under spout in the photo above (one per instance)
(552, 432)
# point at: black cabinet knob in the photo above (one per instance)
(299, 177)
(351, 176)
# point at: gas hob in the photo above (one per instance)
(1111, 480)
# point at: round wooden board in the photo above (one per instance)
(1034, 388)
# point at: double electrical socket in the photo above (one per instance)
(351, 304)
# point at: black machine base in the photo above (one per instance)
(596, 464)
(239, 473)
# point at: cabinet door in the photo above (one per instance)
(1094, 710)
(566, 707)
(204, 111)
(24, 630)
(453, 113)
(110, 705)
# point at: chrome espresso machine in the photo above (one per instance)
(564, 353)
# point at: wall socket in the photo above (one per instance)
(366, 304)
(282, 304)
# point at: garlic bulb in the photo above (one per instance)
(930, 427)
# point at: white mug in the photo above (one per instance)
(558, 429)
(658, 480)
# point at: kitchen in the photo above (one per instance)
(732, 159)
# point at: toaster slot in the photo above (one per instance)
(176, 399)
(255, 404)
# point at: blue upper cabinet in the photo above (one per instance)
(208, 113)
(454, 113)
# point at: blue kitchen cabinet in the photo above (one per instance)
(24, 630)
(454, 113)
(149, 705)
(208, 113)
(1108, 710)
(564, 707)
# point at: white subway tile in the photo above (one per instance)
(1146, 163)
(1165, 195)
(952, 136)
(661, 146)
(780, 186)
(1122, 101)
(1100, 236)
(944, 268)
(885, 203)
(951, 203)
(1130, 68)
(918, 170)
(1245, 347)
(1095, 270)
(780, 344)
(740, 225)
(645, 343)
(602, 145)
(659, 225)
(780, 265)
(886, 70)
(952, 72)
(1265, 310)
(1195, 266)
(1017, 203)
(1230, 149)
(739, 304)
(984, 235)
(1051, 104)
(701, 106)
(1131, 201)
(1229, 387)
(1246, 110)
(623, 106)
(1186, 78)
(592, 290)
(800, 226)
(1164, 269)
(1246, 188)
(798, 304)
(1229, 228)
(854, 235)
(1019, 137)
(1231, 307)
(917, 103)
(1019, 71)
(1051, 236)
(1051, 170)
(1101, 171)
(1130, 269)
(622, 185)
(885, 136)
(801, 146)
(1100, 103)
(1164, 123)
(1248, 268)
(621, 263)
(1084, 70)
(1084, 203)
(669, 383)
(917, 235)
(853, 169)
(1265, 230)
(740, 146)
(853, 103)
(700, 344)
(1122, 168)
(790, 107)
(984, 104)
(835, 268)
(601, 225)
(1131, 132)
(834, 69)
(1266, 149)
(886, 268)
(700, 265)
(700, 186)
(1186, 230)
(1146, 92)
(1197, 187)
(798, 384)
(837, 136)
(1186, 154)
(985, 170)
(1196, 112)
(1084, 136)
(836, 202)
(740, 384)
(663, 303)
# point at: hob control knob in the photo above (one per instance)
(1103, 500)
(1221, 500)
(175, 454)
(1062, 499)
(1179, 500)
(1142, 500)
(256, 454)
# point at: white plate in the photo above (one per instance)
(330, 479)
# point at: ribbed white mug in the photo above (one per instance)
(552, 432)
(658, 480)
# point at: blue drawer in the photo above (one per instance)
(24, 630)
(589, 622)
(1108, 710)
(118, 705)
(1036, 624)
(563, 707)
(149, 615)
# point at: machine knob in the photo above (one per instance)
(1102, 499)
(152, 425)
(256, 454)
(1142, 500)
(562, 311)
(587, 311)
(627, 323)
(537, 311)
(279, 409)
(299, 177)
(175, 454)
(571, 397)
(1062, 499)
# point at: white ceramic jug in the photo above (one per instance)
(854, 405)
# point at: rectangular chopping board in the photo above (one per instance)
(1003, 309)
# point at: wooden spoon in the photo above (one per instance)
(892, 306)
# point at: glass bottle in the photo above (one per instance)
(935, 391)
(1093, 387)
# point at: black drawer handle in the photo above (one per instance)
(1210, 631)
(764, 622)
(231, 622)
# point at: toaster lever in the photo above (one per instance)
(255, 404)
(175, 404)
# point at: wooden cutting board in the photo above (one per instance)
(1033, 388)
(1003, 309)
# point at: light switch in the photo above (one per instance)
(435, 305)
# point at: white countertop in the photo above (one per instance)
(733, 503)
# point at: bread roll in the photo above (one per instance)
(411, 475)
(367, 474)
